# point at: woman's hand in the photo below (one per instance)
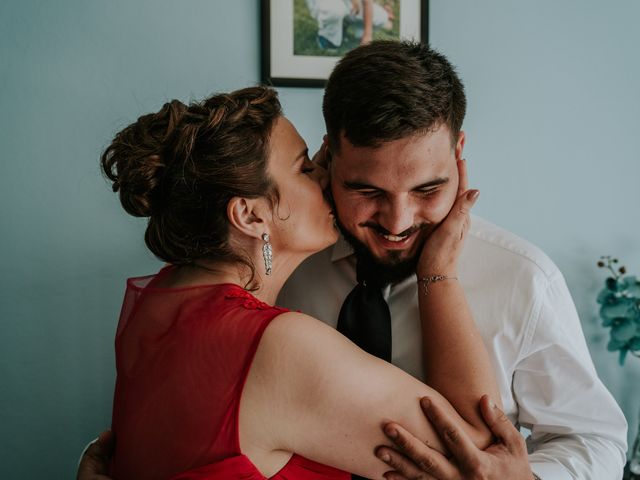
(442, 248)
(94, 463)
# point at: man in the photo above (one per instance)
(382, 101)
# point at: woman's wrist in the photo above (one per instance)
(425, 282)
(448, 270)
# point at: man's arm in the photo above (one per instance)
(578, 430)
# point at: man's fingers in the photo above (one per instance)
(501, 426)
(455, 439)
(414, 455)
(402, 466)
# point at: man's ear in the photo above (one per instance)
(248, 215)
(460, 145)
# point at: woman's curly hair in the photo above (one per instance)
(182, 165)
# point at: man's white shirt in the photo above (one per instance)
(530, 327)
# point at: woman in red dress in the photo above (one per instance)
(213, 380)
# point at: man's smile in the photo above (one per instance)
(389, 241)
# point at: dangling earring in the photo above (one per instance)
(267, 253)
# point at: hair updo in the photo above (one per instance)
(182, 165)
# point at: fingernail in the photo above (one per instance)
(391, 432)
(491, 403)
(473, 194)
(425, 402)
(385, 457)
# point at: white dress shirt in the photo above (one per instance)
(530, 327)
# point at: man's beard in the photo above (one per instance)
(390, 271)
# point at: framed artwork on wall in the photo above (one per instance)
(302, 40)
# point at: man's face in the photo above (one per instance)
(388, 199)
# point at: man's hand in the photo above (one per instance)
(505, 459)
(94, 464)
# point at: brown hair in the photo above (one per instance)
(182, 165)
(388, 90)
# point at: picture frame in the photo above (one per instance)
(299, 49)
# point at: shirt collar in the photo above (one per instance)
(342, 249)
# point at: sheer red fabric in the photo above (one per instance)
(182, 358)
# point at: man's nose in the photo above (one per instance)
(396, 215)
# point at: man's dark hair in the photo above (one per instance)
(389, 90)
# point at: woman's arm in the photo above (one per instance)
(455, 361)
(313, 392)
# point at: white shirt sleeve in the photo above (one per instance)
(577, 429)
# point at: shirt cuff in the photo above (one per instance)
(550, 471)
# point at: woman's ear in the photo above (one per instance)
(248, 215)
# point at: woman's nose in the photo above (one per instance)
(322, 176)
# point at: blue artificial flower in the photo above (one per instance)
(620, 310)
(623, 330)
(621, 307)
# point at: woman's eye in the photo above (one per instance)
(308, 166)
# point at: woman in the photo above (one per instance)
(215, 381)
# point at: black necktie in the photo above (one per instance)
(365, 318)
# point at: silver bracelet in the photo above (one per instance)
(535, 477)
(428, 280)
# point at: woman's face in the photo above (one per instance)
(303, 221)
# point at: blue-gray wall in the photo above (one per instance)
(552, 143)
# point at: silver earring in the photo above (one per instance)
(267, 253)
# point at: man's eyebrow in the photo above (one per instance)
(360, 186)
(365, 186)
(432, 183)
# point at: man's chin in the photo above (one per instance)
(393, 267)
(391, 271)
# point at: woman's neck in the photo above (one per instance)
(208, 272)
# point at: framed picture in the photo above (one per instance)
(302, 40)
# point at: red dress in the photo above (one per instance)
(182, 358)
